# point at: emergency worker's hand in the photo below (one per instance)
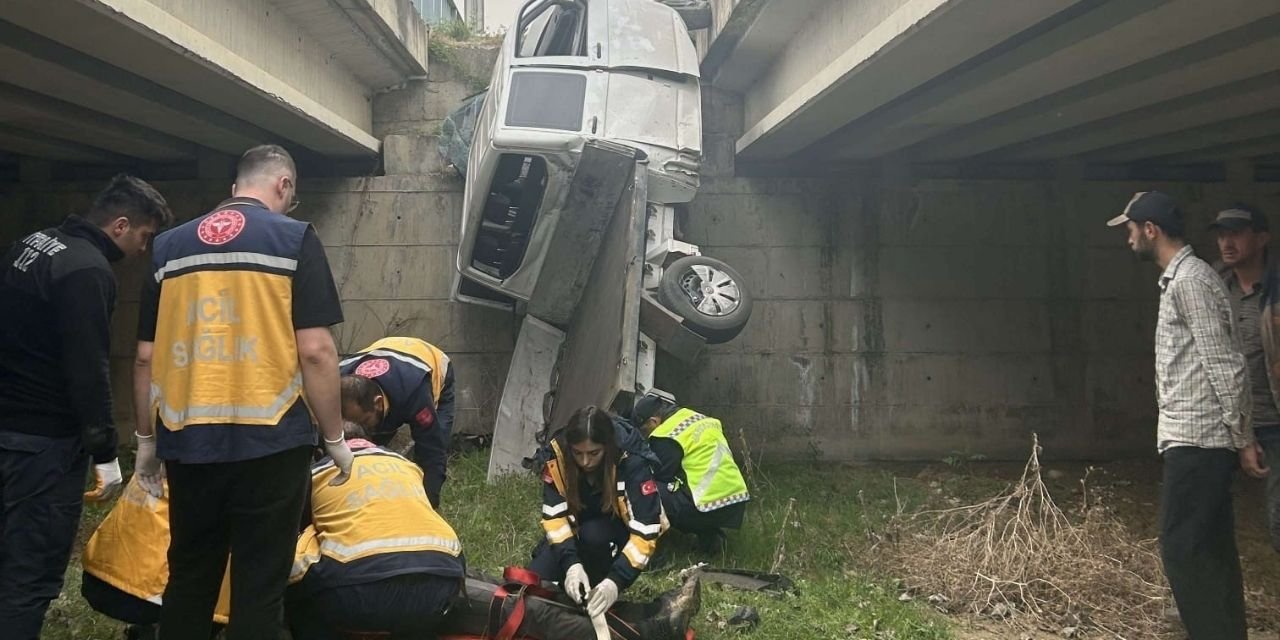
(342, 458)
(602, 597)
(576, 583)
(1251, 460)
(147, 468)
(109, 480)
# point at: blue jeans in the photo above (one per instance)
(41, 493)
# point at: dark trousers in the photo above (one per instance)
(1198, 543)
(408, 606)
(684, 515)
(41, 492)
(599, 541)
(250, 509)
(114, 603)
(1270, 441)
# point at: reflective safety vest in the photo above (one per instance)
(129, 550)
(225, 350)
(713, 476)
(417, 353)
(381, 512)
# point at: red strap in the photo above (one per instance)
(512, 624)
(530, 579)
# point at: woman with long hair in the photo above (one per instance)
(600, 510)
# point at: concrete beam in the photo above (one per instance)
(750, 40)
(235, 56)
(1220, 103)
(41, 114)
(997, 78)
(1214, 135)
(39, 64)
(1212, 63)
(911, 43)
(382, 42)
(26, 143)
(1261, 149)
(1079, 45)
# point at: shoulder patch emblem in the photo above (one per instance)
(649, 487)
(221, 227)
(373, 368)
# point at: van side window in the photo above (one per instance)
(552, 28)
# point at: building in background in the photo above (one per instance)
(438, 11)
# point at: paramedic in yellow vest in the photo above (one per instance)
(234, 362)
(375, 557)
(399, 381)
(702, 490)
(600, 511)
(125, 568)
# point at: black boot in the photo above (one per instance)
(676, 610)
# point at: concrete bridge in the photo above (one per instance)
(186, 84)
(1000, 87)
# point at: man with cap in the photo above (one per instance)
(702, 489)
(1243, 234)
(1202, 393)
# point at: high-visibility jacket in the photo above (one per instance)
(637, 504)
(129, 550)
(713, 477)
(417, 385)
(377, 524)
(225, 352)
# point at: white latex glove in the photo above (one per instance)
(109, 480)
(602, 597)
(342, 458)
(147, 468)
(576, 583)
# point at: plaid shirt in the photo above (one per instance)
(1201, 382)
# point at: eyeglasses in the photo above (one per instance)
(293, 205)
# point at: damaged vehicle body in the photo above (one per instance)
(569, 72)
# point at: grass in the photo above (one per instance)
(821, 541)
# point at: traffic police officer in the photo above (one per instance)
(397, 381)
(376, 557)
(58, 293)
(702, 489)
(233, 332)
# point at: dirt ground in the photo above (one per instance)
(1131, 490)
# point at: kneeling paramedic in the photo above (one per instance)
(375, 557)
(398, 381)
(600, 511)
(702, 489)
(125, 564)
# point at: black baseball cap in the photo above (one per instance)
(651, 404)
(1240, 217)
(1151, 206)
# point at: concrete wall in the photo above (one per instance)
(390, 242)
(914, 319)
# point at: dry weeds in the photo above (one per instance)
(1019, 558)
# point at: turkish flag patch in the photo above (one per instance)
(425, 417)
(649, 488)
